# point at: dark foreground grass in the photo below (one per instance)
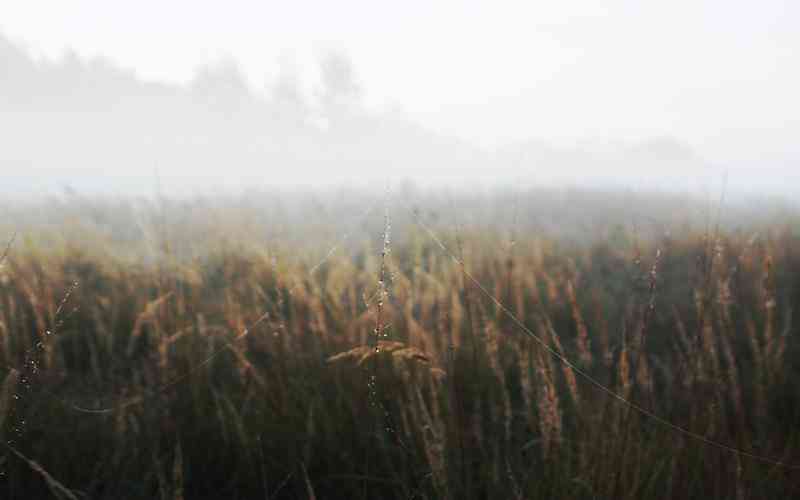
(241, 374)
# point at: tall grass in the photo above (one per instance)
(236, 370)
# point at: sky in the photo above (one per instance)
(718, 76)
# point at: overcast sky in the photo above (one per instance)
(720, 75)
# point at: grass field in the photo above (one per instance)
(410, 346)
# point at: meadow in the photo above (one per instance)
(507, 343)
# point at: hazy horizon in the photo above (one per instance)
(108, 99)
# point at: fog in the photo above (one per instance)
(97, 118)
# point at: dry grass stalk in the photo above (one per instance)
(777, 350)
(362, 354)
(685, 350)
(569, 374)
(526, 382)
(456, 317)
(769, 304)
(759, 368)
(551, 289)
(56, 488)
(709, 340)
(549, 408)
(624, 370)
(309, 488)
(644, 379)
(433, 441)
(601, 327)
(491, 339)
(732, 372)
(147, 317)
(582, 338)
(493, 355)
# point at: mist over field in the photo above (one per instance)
(93, 125)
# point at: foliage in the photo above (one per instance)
(237, 373)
